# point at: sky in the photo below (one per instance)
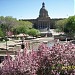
(74, 7)
(29, 9)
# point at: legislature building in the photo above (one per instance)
(43, 22)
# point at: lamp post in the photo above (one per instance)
(6, 38)
(6, 43)
(22, 45)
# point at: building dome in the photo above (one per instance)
(43, 12)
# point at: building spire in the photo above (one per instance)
(43, 5)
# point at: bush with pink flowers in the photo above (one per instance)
(56, 60)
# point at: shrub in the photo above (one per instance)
(56, 60)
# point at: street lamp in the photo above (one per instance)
(5, 38)
(22, 45)
(6, 43)
(6, 34)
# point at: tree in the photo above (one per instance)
(26, 24)
(10, 22)
(2, 20)
(22, 27)
(1, 33)
(60, 25)
(70, 26)
(34, 32)
(7, 23)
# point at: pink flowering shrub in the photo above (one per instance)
(56, 60)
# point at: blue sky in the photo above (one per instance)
(29, 9)
(74, 7)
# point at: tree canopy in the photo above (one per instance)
(70, 26)
(9, 23)
(60, 25)
(1, 33)
(6, 23)
(66, 25)
(33, 32)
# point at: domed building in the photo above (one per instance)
(43, 22)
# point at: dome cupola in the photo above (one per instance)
(43, 12)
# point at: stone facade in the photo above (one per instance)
(43, 22)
